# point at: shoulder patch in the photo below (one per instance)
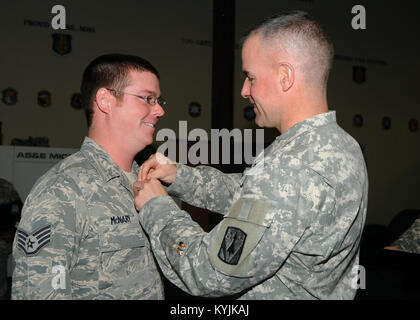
(238, 235)
(31, 244)
(232, 245)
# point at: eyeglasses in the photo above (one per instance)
(152, 100)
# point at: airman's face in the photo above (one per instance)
(135, 117)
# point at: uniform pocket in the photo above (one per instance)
(121, 249)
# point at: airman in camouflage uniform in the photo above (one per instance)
(10, 207)
(5, 249)
(409, 241)
(8, 194)
(79, 236)
(292, 222)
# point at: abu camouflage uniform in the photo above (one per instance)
(409, 241)
(80, 218)
(292, 224)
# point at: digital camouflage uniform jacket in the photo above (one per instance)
(292, 223)
(79, 236)
(410, 239)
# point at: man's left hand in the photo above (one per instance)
(145, 190)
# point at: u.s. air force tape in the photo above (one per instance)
(238, 235)
(31, 244)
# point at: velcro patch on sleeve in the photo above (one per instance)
(237, 236)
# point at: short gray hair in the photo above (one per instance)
(299, 33)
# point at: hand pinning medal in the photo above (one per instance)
(137, 186)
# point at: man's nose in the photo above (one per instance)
(245, 89)
(158, 110)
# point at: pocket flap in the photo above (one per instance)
(118, 237)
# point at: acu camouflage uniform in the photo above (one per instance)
(292, 223)
(410, 239)
(80, 216)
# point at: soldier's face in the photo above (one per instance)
(136, 118)
(259, 85)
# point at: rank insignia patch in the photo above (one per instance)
(232, 245)
(30, 244)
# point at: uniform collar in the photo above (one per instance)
(309, 124)
(103, 162)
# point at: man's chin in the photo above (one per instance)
(263, 124)
(259, 123)
(144, 142)
(148, 141)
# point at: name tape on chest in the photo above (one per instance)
(120, 219)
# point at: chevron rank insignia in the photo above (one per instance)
(31, 244)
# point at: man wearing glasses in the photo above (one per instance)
(79, 236)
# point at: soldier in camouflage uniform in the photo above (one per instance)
(409, 241)
(80, 237)
(293, 221)
(10, 208)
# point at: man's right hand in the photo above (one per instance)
(158, 166)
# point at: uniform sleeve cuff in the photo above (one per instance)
(184, 175)
(156, 212)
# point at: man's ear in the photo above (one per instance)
(286, 75)
(104, 100)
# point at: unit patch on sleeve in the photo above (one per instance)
(232, 245)
(31, 244)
